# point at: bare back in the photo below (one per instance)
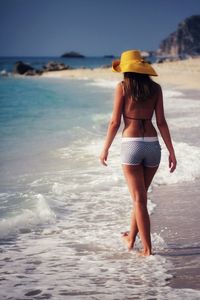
(137, 116)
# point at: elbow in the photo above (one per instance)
(161, 124)
(114, 124)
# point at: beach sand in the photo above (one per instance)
(184, 74)
(180, 226)
(180, 223)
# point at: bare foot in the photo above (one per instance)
(144, 253)
(126, 239)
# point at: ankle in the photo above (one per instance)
(147, 252)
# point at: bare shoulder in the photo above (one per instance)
(119, 88)
(157, 86)
(119, 85)
(157, 91)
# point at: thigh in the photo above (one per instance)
(134, 176)
(149, 175)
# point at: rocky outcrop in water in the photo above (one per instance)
(72, 54)
(184, 41)
(54, 66)
(21, 68)
(33, 72)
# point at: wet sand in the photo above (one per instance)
(176, 217)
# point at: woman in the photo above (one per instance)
(136, 99)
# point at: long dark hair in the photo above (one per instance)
(138, 86)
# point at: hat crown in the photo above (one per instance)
(132, 61)
(130, 55)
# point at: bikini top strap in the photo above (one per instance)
(142, 119)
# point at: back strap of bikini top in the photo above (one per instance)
(142, 122)
(142, 119)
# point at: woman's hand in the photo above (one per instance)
(103, 157)
(172, 162)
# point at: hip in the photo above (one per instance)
(141, 150)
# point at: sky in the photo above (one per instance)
(90, 27)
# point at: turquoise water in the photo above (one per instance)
(61, 211)
(38, 114)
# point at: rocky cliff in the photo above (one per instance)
(184, 41)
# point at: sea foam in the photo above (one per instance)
(187, 167)
(26, 218)
(103, 83)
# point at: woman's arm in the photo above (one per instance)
(114, 123)
(164, 130)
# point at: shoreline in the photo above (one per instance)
(184, 74)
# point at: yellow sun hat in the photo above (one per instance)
(132, 61)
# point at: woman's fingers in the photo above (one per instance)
(103, 158)
(172, 163)
(104, 162)
(173, 167)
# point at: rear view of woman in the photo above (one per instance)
(137, 97)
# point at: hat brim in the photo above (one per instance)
(136, 67)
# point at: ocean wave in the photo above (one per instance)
(172, 93)
(26, 219)
(101, 117)
(104, 83)
(187, 156)
(185, 123)
(187, 167)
